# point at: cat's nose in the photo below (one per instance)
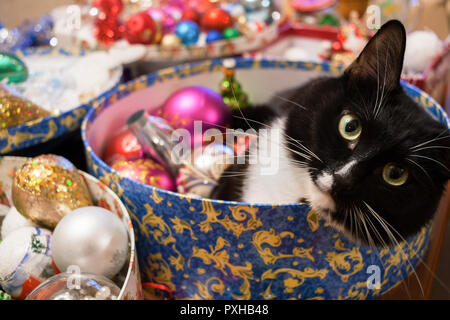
(342, 183)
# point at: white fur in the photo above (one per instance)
(346, 169)
(289, 183)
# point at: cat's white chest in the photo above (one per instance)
(273, 178)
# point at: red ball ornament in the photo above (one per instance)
(122, 145)
(191, 14)
(141, 28)
(111, 8)
(216, 19)
(108, 30)
(146, 171)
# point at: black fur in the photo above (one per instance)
(388, 137)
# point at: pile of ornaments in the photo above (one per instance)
(176, 23)
(176, 147)
(55, 243)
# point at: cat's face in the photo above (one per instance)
(383, 159)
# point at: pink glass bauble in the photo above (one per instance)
(166, 21)
(195, 103)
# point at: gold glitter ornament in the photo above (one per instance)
(48, 187)
(15, 110)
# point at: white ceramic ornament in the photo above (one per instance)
(25, 260)
(92, 238)
(13, 221)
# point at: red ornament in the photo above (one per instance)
(216, 19)
(123, 145)
(141, 28)
(191, 14)
(108, 30)
(111, 8)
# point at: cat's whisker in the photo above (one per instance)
(438, 137)
(293, 141)
(420, 167)
(386, 226)
(420, 259)
(431, 147)
(290, 101)
(431, 159)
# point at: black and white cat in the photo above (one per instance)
(355, 147)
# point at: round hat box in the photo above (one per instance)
(128, 279)
(30, 134)
(209, 249)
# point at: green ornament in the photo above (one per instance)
(4, 296)
(330, 20)
(230, 89)
(231, 33)
(12, 68)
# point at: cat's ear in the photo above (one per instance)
(382, 58)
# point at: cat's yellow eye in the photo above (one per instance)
(395, 174)
(350, 127)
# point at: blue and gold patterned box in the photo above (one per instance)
(45, 129)
(208, 249)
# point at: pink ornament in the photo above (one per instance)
(173, 11)
(146, 171)
(195, 103)
(166, 21)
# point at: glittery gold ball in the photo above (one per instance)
(48, 187)
(15, 110)
(170, 41)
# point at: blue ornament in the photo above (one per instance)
(188, 32)
(213, 35)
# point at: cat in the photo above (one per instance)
(356, 148)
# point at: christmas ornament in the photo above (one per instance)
(108, 30)
(231, 33)
(15, 110)
(191, 14)
(13, 221)
(195, 103)
(188, 32)
(12, 68)
(196, 175)
(48, 187)
(163, 19)
(170, 42)
(206, 165)
(123, 146)
(4, 296)
(92, 238)
(25, 260)
(258, 9)
(146, 171)
(201, 6)
(141, 28)
(30, 33)
(230, 89)
(216, 19)
(174, 11)
(75, 286)
(213, 35)
(111, 8)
